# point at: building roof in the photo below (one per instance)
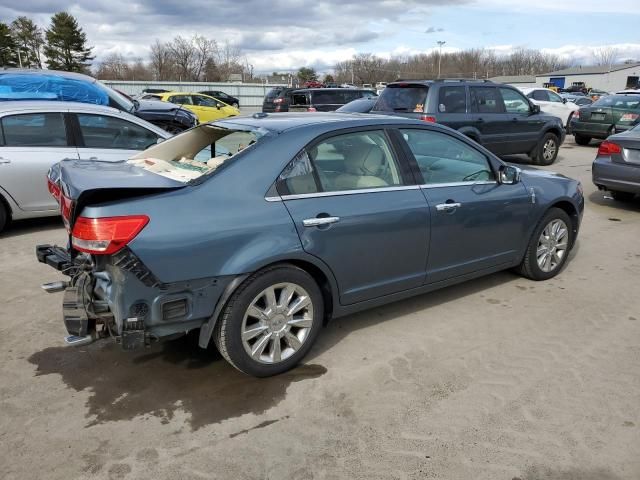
(514, 79)
(590, 70)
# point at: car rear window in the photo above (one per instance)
(198, 152)
(273, 93)
(402, 98)
(618, 101)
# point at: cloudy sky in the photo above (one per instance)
(287, 34)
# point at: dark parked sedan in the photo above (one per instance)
(361, 105)
(223, 97)
(257, 230)
(609, 115)
(617, 165)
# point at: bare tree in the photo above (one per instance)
(205, 50)
(228, 60)
(185, 56)
(605, 56)
(161, 61)
(113, 67)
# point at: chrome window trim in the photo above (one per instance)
(457, 184)
(342, 192)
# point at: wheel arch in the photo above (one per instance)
(321, 274)
(471, 133)
(571, 210)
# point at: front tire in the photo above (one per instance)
(547, 150)
(581, 139)
(271, 321)
(548, 247)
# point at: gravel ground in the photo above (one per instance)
(497, 378)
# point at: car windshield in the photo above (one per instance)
(618, 101)
(116, 100)
(188, 156)
(402, 98)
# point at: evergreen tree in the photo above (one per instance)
(29, 38)
(66, 47)
(8, 47)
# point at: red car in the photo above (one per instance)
(313, 84)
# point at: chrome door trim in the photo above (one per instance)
(342, 192)
(447, 207)
(456, 184)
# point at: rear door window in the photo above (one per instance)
(35, 130)
(299, 99)
(485, 100)
(181, 99)
(402, 98)
(514, 102)
(452, 100)
(102, 131)
(540, 95)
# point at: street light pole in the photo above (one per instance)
(440, 44)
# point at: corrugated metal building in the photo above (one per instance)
(522, 81)
(609, 79)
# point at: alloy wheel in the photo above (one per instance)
(552, 245)
(549, 150)
(277, 323)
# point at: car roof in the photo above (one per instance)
(337, 89)
(58, 73)
(280, 122)
(53, 105)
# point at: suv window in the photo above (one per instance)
(452, 100)
(485, 100)
(34, 130)
(101, 131)
(540, 95)
(351, 161)
(514, 102)
(402, 98)
(445, 159)
(299, 99)
(325, 98)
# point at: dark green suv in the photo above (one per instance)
(497, 116)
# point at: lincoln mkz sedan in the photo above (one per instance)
(258, 230)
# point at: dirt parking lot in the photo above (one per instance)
(497, 378)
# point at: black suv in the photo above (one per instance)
(325, 99)
(277, 99)
(497, 116)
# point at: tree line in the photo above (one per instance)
(63, 44)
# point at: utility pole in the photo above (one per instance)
(440, 44)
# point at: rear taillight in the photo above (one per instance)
(311, 109)
(278, 100)
(629, 117)
(609, 148)
(428, 118)
(54, 189)
(107, 235)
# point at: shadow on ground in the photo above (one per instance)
(23, 227)
(170, 376)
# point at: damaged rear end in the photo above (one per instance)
(118, 216)
(97, 258)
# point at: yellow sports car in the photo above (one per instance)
(205, 107)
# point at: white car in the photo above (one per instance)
(552, 103)
(37, 134)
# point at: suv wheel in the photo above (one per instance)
(271, 321)
(549, 246)
(581, 139)
(547, 150)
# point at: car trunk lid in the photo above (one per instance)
(76, 183)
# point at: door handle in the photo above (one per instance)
(4, 160)
(447, 207)
(481, 120)
(319, 221)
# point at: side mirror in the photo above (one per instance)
(535, 109)
(218, 106)
(509, 175)
(159, 140)
(564, 100)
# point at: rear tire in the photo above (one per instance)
(4, 216)
(235, 105)
(256, 333)
(547, 243)
(547, 150)
(581, 139)
(622, 196)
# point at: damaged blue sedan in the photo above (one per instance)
(257, 230)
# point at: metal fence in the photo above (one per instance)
(249, 94)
